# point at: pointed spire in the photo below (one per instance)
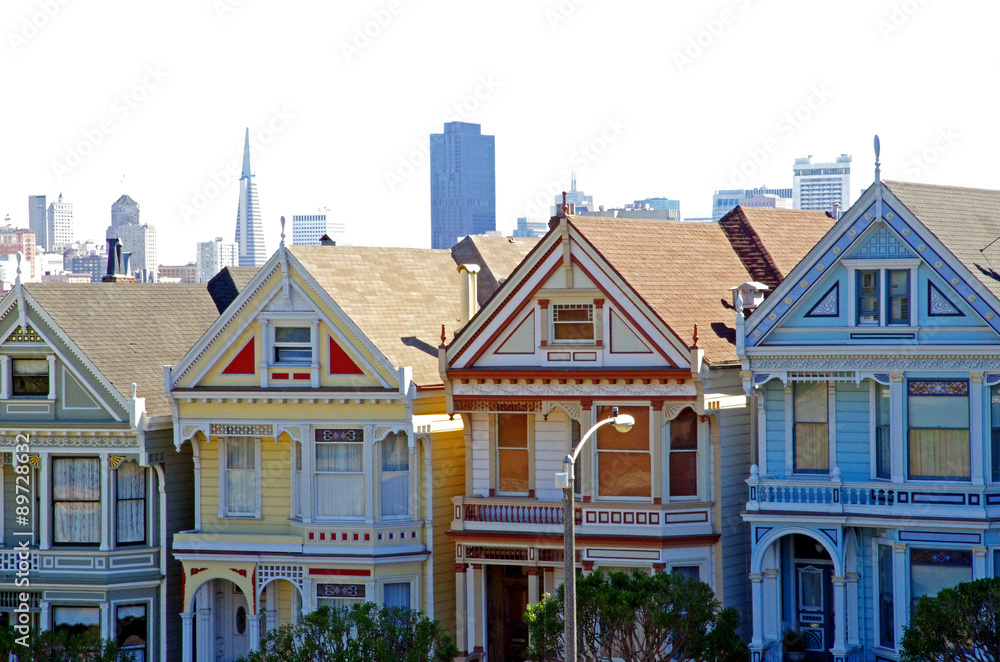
(246, 156)
(878, 166)
(17, 280)
(878, 180)
(282, 231)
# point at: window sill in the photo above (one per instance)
(568, 345)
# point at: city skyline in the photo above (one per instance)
(168, 119)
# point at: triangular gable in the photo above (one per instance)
(860, 234)
(542, 279)
(276, 290)
(939, 305)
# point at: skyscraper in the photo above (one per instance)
(38, 220)
(59, 225)
(725, 200)
(819, 185)
(580, 201)
(463, 183)
(136, 238)
(214, 256)
(249, 229)
(308, 228)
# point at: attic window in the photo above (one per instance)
(572, 322)
(894, 296)
(29, 377)
(293, 345)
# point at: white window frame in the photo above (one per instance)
(873, 428)
(882, 266)
(553, 307)
(276, 345)
(152, 645)
(876, 624)
(701, 429)
(269, 322)
(397, 579)
(831, 431)
(410, 477)
(7, 375)
(595, 456)
(224, 484)
(366, 471)
(113, 486)
(495, 453)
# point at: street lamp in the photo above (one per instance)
(622, 423)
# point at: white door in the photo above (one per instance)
(231, 616)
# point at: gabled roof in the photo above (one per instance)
(683, 271)
(399, 298)
(966, 220)
(497, 258)
(770, 242)
(129, 331)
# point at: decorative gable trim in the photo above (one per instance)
(516, 337)
(882, 244)
(340, 362)
(939, 305)
(245, 362)
(828, 305)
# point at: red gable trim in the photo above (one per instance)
(679, 374)
(244, 363)
(340, 362)
(340, 571)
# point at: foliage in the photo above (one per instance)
(641, 617)
(362, 633)
(51, 646)
(958, 625)
(794, 641)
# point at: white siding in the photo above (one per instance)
(550, 449)
(480, 454)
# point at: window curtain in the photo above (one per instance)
(938, 414)
(396, 594)
(812, 436)
(512, 453)
(76, 496)
(684, 454)
(131, 507)
(395, 476)
(241, 475)
(939, 453)
(624, 465)
(130, 630)
(340, 480)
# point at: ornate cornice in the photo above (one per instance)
(881, 363)
(74, 442)
(589, 391)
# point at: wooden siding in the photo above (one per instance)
(448, 463)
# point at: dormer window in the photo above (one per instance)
(29, 378)
(293, 345)
(573, 322)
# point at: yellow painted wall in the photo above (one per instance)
(285, 602)
(448, 476)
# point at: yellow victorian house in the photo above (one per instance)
(324, 460)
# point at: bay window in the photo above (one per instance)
(938, 415)
(883, 439)
(811, 434)
(395, 476)
(932, 570)
(339, 473)
(684, 455)
(76, 500)
(512, 453)
(240, 466)
(130, 631)
(130, 492)
(624, 458)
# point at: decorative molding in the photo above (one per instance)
(74, 442)
(382, 431)
(828, 305)
(241, 430)
(891, 363)
(294, 431)
(939, 305)
(572, 408)
(672, 410)
(189, 431)
(115, 460)
(512, 405)
(590, 391)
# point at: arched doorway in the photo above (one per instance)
(222, 626)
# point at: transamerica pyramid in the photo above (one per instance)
(249, 229)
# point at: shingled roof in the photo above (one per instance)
(966, 220)
(770, 242)
(684, 270)
(130, 330)
(496, 256)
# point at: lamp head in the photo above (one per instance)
(622, 422)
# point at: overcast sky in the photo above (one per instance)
(641, 98)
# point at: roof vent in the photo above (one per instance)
(751, 293)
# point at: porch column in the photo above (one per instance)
(533, 585)
(44, 618)
(853, 621)
(206, 631)
(44, 492)
(106, 505)
(187, 632)
(896, 427)
(271, 613)
(477, 607)
(253, 631)
(772, 596)
(757, 605)
(106, 631)
(900, 598)
(839, 617)
(461, 611)
(979, 563)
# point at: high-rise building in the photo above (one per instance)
(819, 185)
(180, 273)
(136, 238)
(661, 204)
(59, 225)
(308, 228)
(249, 228)
(214, 256)
(725, 200)
(19, 240)
(463, 183)
(38, 220)
(530, 229)
(577, 201)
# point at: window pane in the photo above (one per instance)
(339, 457)
(928, 411)
(512, 470)
(932, 570)
(77, 620)
(294, 334)
(76, 479)
(573, 322)
(240, 453)
(886, 627)
(396, 594)
(29, 367)
(624, 474)
(130, 630)
(868, 297)
(683, 473)
(242, 490)
(608, 438)
(340, 495)
(292, 354)
(131, 480)
(395, 495)
(883, 438)
(812, 447)
(689, 571)
(131, 521)
(939, 454)
(76, 522)
(810, 401)
(684, 431)
(512, 430)
(395, 453)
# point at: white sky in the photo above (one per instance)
(551, 77)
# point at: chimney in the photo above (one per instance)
(127, 263)
(752, 295)
(836, 211)
(114, 274)
(112, 259)
(469, 291)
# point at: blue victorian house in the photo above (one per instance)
(875, 374)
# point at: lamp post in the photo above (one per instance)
(622, 423)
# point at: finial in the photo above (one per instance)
(135, 388)
(878, 166)
(444, 338)
(18, 257)
(282, 230)
(565, 207)
(695, 345)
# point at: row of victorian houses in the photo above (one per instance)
(816, 404)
